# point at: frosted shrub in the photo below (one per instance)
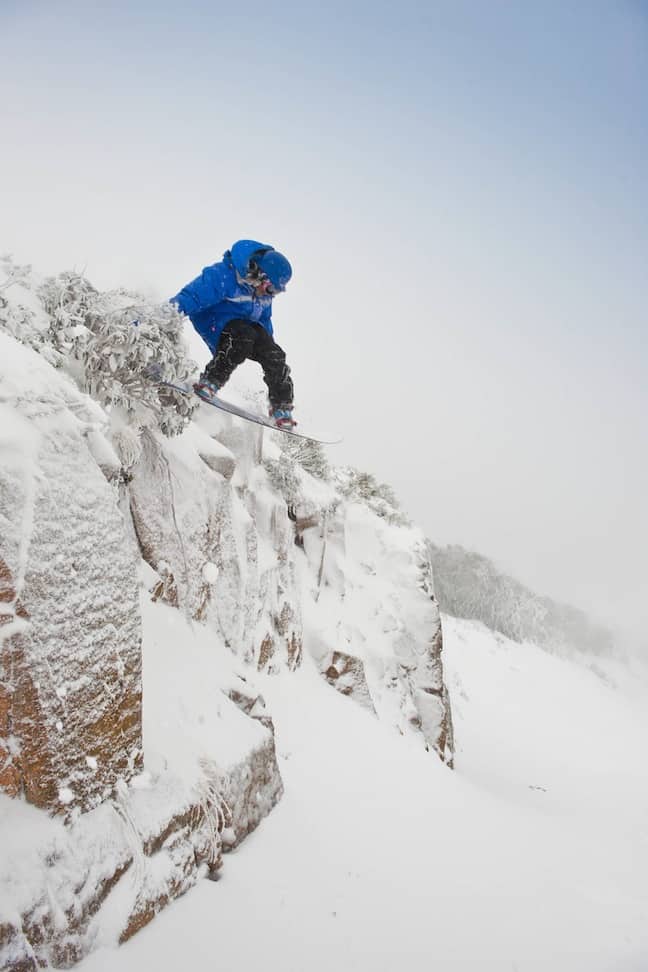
(297, 455)
(21, 321)
(67, 299)
(110, 339)
(123, 343)
(105, 341)
(284, 477)
(362, 487)
(11, 273)
(309, 455)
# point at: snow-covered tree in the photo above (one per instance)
(309, 455)
(469, 585)
(105, 341)
(114, 338)
(21, 315)
(284, 477)
(363, 487)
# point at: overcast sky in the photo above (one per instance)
(461, 188)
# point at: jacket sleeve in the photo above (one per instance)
(204, 292)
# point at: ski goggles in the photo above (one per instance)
(261, 281)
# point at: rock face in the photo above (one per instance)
(136, 853)
(372, 622)
(15, 682)
(346, 673)
(119, 843)
(221, 544)
(71, 638)
(253, 788)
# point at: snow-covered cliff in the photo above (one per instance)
(170, 568)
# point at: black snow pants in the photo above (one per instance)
(241, 340)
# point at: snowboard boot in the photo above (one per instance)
(206, 389)
(283, 417)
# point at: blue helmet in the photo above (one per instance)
(275, 266)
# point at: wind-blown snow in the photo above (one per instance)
(532, 855)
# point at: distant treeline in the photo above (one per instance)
(468, 585)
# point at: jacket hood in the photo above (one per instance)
(241, 252)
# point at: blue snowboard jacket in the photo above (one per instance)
(220, 295)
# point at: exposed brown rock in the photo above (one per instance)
(253, 705)
(10, 652)
(188, 839)
(16, 954)
(266, 651)
(295, 651)
(70, 704)
(431, 694)
(253, 788)
(346, 673)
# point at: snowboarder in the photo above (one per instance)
(230, 306)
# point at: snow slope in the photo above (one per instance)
(531, 855)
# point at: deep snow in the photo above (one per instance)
(531, 855)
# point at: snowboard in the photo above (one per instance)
(186, 388)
